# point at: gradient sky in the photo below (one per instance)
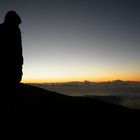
(68, 40)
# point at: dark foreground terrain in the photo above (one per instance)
(45, 115)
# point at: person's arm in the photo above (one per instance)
(20, 51)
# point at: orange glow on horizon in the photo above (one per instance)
(67, 73)
(79, 79)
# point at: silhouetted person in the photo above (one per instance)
(11, 63)
(10, 36)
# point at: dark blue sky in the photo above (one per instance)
(78, 39)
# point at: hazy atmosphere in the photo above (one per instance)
(67, 40)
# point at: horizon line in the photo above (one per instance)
(43, 82)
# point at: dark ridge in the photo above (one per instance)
(42, 114)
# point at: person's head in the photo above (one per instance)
(12, 18)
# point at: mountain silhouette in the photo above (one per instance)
(43, 114)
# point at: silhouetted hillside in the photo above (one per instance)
(42, 114)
